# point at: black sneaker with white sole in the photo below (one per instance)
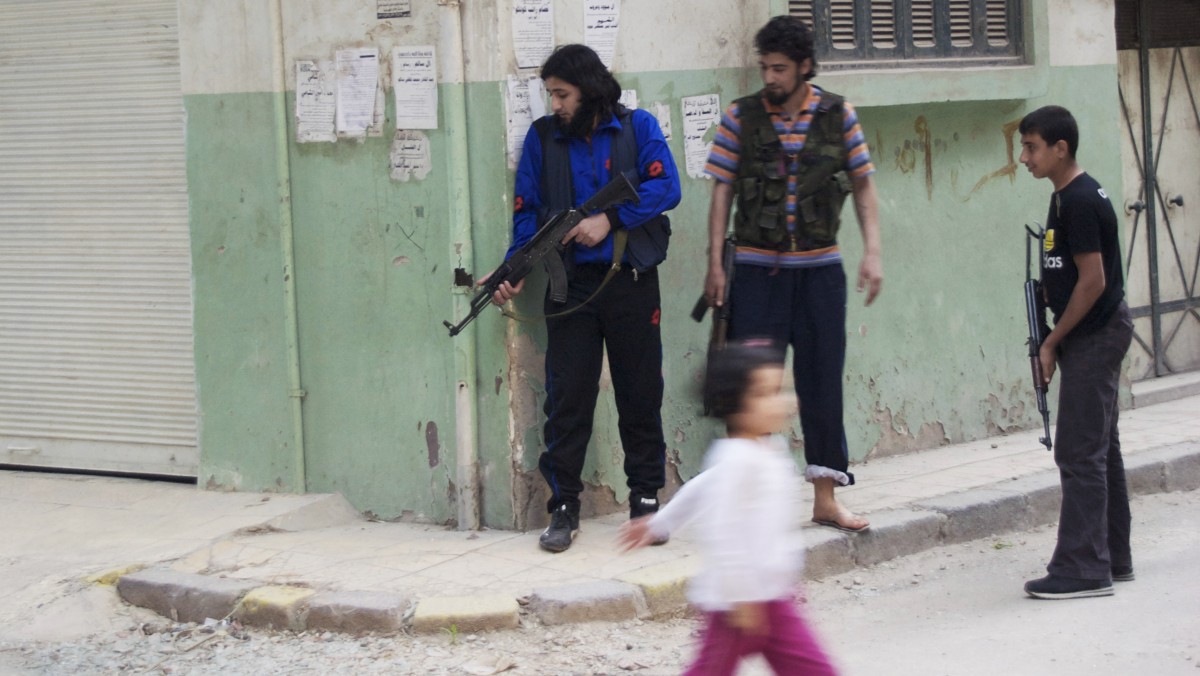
(1058, 587)
(1122, 573)
(564, 524)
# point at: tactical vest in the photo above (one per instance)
(647, 244)
(761, 185)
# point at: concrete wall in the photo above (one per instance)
(939, 358)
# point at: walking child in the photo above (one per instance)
(747, 505)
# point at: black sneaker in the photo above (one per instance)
(643, 506)
(640, 506)
(1057, 587)
(1122, 573)
(564, 524)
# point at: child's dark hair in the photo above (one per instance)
(790, 36)
(1053, 124)
(728, 375)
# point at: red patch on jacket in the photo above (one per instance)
(655, 169)
(519, 203)
(654, 319)
(608, 164)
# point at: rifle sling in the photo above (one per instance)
(619, 240)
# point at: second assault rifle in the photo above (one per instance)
(546, 245)
(1035, 314)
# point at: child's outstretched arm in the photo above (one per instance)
(683, 506)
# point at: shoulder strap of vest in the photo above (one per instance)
(830, 102)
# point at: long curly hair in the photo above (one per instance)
(599, 91)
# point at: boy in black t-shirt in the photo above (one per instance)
(1085, 290)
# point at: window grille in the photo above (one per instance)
(913, 33)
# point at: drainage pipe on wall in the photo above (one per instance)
(284, 174)
(452, 58)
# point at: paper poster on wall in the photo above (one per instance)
(357, 83)
(316, 102)
(533, 31)
(662, 112)
(520, 92)
(700, 113)
(537, 96)
(410, 157)
(393, 9)
(629, 98)
(377, 120)
(601, 21)
(414, 83)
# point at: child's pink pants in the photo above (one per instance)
(789, 647)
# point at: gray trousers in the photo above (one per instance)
(1093, 527)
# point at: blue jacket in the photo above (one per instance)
(591, 163)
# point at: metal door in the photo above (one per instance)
(96, 365)
(1159, 81)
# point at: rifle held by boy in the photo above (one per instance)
(546, 245)
(1035, 314)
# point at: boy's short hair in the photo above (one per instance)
(790, 36)
(1053, 124)
(728, 374)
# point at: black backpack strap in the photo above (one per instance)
(557, 190)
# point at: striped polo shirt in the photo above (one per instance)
(723, 166)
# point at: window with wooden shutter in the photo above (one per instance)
(913, 33)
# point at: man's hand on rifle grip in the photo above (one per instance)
(1049, 358)
(714, 286)
(591, 231)
(505, 292)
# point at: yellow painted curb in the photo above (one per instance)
(110, 577)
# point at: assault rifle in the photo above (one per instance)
(546, 245)
(1035, 314)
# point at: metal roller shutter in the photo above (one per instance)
(96, 366)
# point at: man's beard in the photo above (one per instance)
(582, 123)
(780, 96)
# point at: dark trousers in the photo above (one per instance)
(804, 308)
(1093, 528)
(624, 320)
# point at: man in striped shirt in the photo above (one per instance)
(788, 155)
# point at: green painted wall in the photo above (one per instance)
(939, 358)
(246, 437)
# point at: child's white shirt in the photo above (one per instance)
(746, 505)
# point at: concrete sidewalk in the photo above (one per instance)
(309, 562)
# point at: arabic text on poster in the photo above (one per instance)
(357, 82)
(533, 31)
(414, 82)
(316, 102)
(700, 114)
(601, 21)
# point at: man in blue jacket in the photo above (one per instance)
(567, 158)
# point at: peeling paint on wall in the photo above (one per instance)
(432, 443)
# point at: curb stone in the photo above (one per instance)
(588, 601)
(466, 613)
(274, 607)
(978, 513)
(356, 612)
(183, 597)
(895, 533)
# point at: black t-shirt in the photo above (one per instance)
(1082, 220)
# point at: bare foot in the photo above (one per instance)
(843, 520)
